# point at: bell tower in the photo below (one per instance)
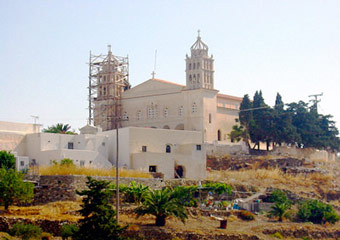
(199, 66)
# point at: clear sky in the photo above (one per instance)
(286, 46)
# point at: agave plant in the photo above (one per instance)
(162, 204)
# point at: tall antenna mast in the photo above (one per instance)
(154, 66)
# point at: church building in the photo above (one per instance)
(196, 106)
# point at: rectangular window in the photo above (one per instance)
(209, 117)
(152, 168)
(22, 163)
(82, 163)
(144, 148)
(70, 145)
(198, 147)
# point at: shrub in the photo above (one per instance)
(278, 196)
(66, 162)
(46, 236)
(7, 160)
(218, 188)
(317, 212)
(246, 215)
(278, 235)
(135, 192)
(26, 231)
(68, 231)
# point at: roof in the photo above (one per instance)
(165, 81)
(220, 95)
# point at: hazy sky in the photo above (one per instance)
(289, 46)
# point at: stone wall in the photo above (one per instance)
(217, 149)
(63, 188)
(308, 153)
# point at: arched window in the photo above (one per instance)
(168, 149)
(219, 135)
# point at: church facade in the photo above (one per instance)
(196, 106)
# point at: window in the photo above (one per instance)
(70, 145)
(104, 90)
(139, 115)
(82, 163)
(153, 168)
(125, 116)
(152, 111)
(144, 148)
(22, 163)
(104, 78)
(180, 111)
(209, 117)
(198, 147)
(168, 149)
(194, 108)
(194, 66)
(166, 112)
(189, 66)
(198, 65)
(103, 144)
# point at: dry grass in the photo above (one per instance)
(66, 210)
(264, 178)
(74, 170)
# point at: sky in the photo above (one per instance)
(286, 46)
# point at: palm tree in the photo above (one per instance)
(59, 128)
(279, 210)
(162, 204)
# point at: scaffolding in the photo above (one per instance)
(108, 78)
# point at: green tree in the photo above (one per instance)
(59, 128)
(13, 188)
(7, 160)
(99, 217)
(261, 126)
(162, 204)
(246, 117)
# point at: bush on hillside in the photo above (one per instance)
(246, 215)
(317, 212)
(25, 231)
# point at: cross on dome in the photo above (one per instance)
(199, 44)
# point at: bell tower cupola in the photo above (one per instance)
(199, 66)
